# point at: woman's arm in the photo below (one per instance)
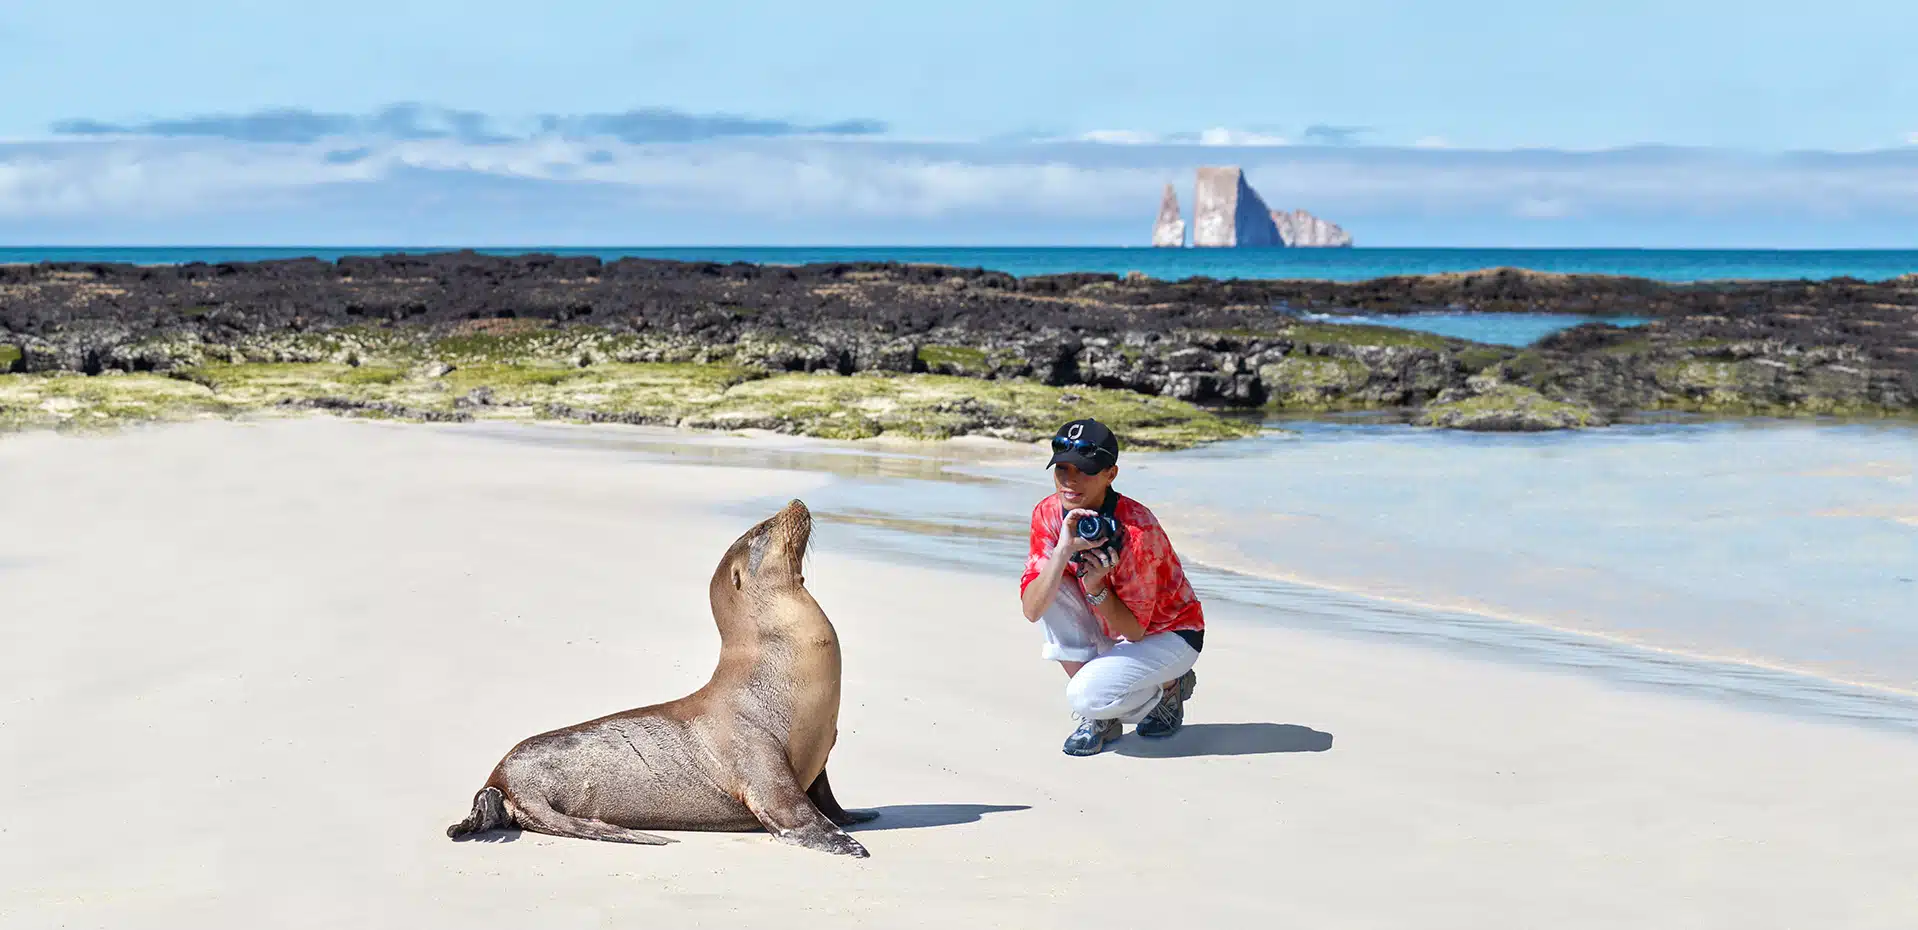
(1117, 616)
(1038, 594)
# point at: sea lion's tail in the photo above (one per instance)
(489, 813)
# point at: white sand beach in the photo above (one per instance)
(253, 670)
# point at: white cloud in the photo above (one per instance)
(1542, 208)
(1121, 137)
(817, 178)
(1222, 136)
(421, 121)
(134, 177)
(1216, 136)
(1431, 142)
(934, 187)
(1911, 138)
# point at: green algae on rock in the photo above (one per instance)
(1480, 357)
(1508, 408)
(921, 406)
(1367, 334)
(1298, 382)
(78, 401)
(953, 360)
(717, 396)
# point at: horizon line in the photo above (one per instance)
(533, 248)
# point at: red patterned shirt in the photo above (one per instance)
(1148, 579)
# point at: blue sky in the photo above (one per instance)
(1412, 123)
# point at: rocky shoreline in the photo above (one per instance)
(924, 350)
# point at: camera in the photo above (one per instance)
(1099, 526)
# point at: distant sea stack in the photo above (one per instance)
(1169, 231)
(1227, 212)
(1301, 230)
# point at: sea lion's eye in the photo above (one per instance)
(735, 579)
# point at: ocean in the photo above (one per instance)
(1675, 265)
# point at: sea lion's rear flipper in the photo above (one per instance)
(789, 815)
(821, 796)
(541, 818)
(488, 813)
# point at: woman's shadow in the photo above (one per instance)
(1227, 739)
(914, 816)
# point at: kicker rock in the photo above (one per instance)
(1169, 231)
(1301, 230)
(1227, 212)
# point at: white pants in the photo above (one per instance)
(1120, 680)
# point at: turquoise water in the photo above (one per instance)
(1512, 329)
(1327, 264)
(1768, 562)
(1781, 544)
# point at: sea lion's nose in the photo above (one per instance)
(797, 507)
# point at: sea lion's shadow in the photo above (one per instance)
(893, 817)
(1227, 739)
(915, 816)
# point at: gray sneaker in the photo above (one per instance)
(1092, 736)
(1169, 715)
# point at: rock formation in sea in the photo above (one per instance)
(1301, 230)
(1169, 231)
(1227, 212)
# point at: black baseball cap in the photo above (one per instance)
(1085, 444)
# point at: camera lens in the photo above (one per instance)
(1089, 528)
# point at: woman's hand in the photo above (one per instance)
(1069, 541)
(1098, 564)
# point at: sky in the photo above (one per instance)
(1478, 122)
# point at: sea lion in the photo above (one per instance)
(746, 751)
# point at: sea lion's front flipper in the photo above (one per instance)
(789, 815)
(821, 796)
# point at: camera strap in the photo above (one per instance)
(1110, 505)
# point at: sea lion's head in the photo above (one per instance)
(766, 561)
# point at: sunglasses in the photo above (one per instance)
(1087, 449)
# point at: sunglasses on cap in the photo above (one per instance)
(1082, 447)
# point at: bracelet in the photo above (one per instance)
(1095, 600)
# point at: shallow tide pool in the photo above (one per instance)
(1512, 329)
